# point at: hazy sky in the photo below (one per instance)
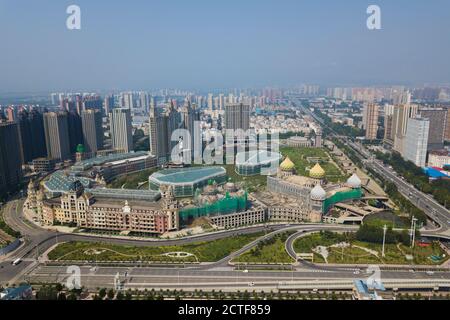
(144, 44)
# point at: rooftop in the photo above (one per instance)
(257, 157)
(187, 175)
(112, 158)
(62, 181)
(126, 194)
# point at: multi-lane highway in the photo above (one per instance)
(215, 278)
(431, 207)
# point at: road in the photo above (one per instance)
(425, 202)
(147, 277)
(38, 240)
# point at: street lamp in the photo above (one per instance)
(413, 231)
(384, 240)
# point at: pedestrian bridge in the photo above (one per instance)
(348, 284)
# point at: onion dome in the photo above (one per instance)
(287, 165)
(80, 148)
(317, 172)
(354, 182)
(318, 193)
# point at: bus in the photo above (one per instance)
(16, 262)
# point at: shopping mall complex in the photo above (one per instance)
(174, 197)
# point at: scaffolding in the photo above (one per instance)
(341, 197)
(227, 205)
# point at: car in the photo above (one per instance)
(16, 262)
(245, 271)
(251, 284)
(430, 273)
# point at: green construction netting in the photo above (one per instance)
(227, 205)
(341, 197)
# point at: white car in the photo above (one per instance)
(430, 273)
(245, 271)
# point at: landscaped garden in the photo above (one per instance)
(269, 251)
(299, 156)
(334, 248)
(196, 252)
(135, 180)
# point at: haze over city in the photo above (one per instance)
(220, 44)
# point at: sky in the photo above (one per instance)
(201, 44)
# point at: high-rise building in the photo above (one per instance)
(237, 116)
(162, 126)
(75, 130)
(10, 158)
(388, 122)
(56, 130)
(121, 129)
(402, 113)
(438, 119)
(91, 121)
(210, 101)
(447, 126)
(108, 104)
(158, 135)
(416, 140)
(32, 136)
(144, 101)
(128, 101)
(370, 120)
(221, 101)
(189, 116)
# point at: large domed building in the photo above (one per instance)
(287, 168)
(318, 196)
(318, 193)
(354, 182)
(317, 172)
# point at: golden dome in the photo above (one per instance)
(317, 172)
(287, 165)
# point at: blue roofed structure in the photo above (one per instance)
(24, 292)
(367, 291)
(434, 173)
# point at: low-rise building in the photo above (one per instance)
(254, 215)
(439, 158)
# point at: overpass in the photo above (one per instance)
(348, 284)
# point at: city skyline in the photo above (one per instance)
(218, 45)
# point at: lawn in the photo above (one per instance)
(202, 251)
(364, 252)
(387, 218)
(131, 181)
(269, 251)
(300, 158)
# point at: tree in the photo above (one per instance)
(47, 293)
(120, 296)
(72, 296)
(62, 296)
(102, 293)
(110, 294)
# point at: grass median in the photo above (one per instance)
(210, 251)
